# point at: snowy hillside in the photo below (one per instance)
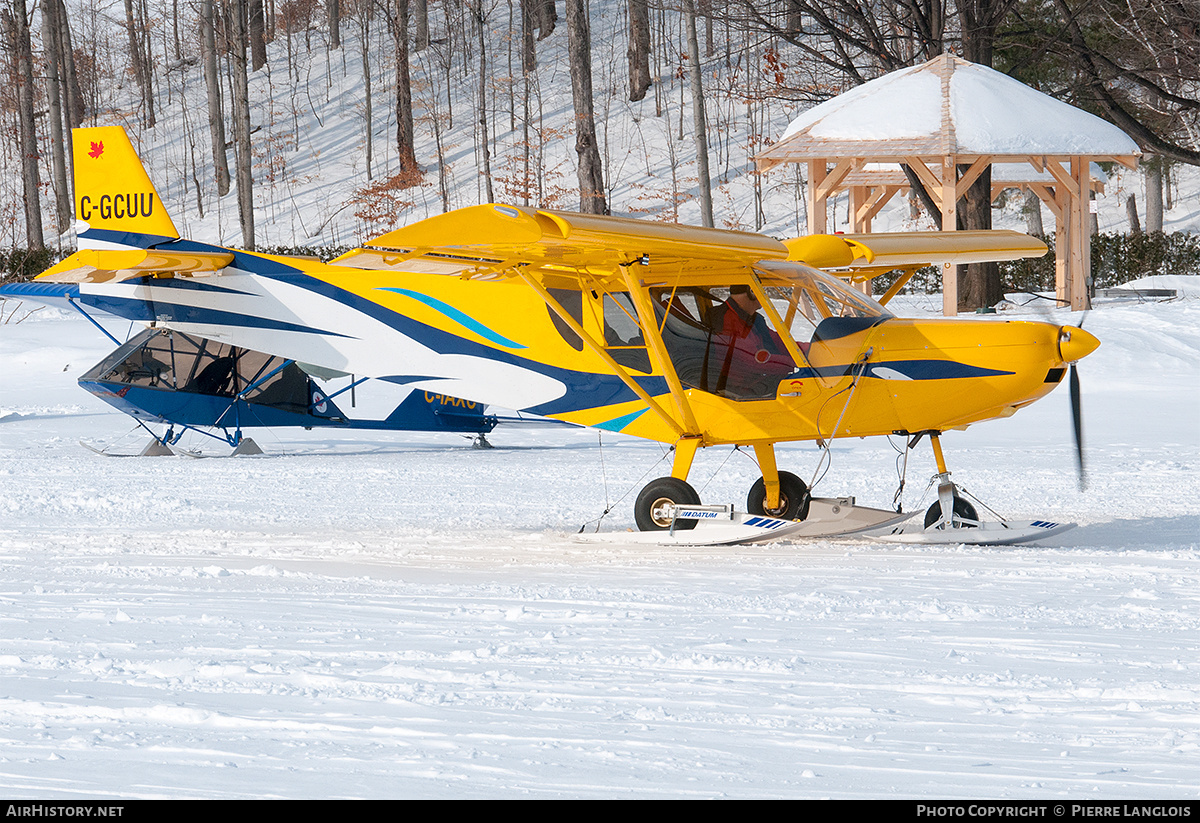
(311, 133)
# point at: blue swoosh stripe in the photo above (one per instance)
(188, 284)
(133, 239)
(464, 320)
(912, 369)
(585, 390)
(934, 369)
(147, 310)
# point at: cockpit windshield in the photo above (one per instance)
(816, 295)
(720, 340)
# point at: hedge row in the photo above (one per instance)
(22, 264)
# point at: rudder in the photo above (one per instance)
(116, 204)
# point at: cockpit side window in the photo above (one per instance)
(719, 342)
(572, 302)
(623, 334)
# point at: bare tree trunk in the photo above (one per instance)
(1153, 167)
(639, 49)
(365, 22)
(485, 149)
(922, 195)
(258, 36)
(70, 78)
(72, 96)
(141, 71)
(528, 54)
(405, 139)
(243, 159)
(978, 283)
(528, 67)
(216, 117)
(579, 49)
(54, 100)
(546, 16)
(793, 12)
(17, 26)
(333, 9)
(1033, 214)
(1135, 225)
(175, 29)
(421, 32)
(699, 121)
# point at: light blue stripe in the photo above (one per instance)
(457, 316)
(619, 423)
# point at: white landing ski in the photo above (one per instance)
(987, 533)
(722, 526)
(153, 449)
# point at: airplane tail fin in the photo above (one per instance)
(116, 205)
(423, 411)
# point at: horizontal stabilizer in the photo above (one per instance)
(114, 265)
(57, 295)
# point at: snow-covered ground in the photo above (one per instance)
(373, 615)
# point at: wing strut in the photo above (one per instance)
(599, 351)
(784, 331)
(650, 330)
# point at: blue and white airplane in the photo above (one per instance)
(188, 382)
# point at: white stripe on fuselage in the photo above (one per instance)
(355, 342)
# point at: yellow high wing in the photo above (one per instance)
(501, 236)
(860, 257)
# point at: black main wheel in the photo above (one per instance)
(651, 513)
(794, 498)
(963, 511)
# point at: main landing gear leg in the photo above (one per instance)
(653, 510)
(777, 494)
(951, 511)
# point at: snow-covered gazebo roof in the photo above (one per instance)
(947, 106)
(948, 121)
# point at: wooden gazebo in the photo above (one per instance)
(948, 120)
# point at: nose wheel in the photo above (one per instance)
(951, 510)
(963, 514)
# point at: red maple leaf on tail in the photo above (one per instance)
(97, 149)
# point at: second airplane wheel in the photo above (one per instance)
(652, 511)
(963, 511)
(793, 498)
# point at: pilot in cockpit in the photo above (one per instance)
(747, 339)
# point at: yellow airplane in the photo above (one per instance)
(688, 336)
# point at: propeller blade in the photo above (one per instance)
(1077, 419)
